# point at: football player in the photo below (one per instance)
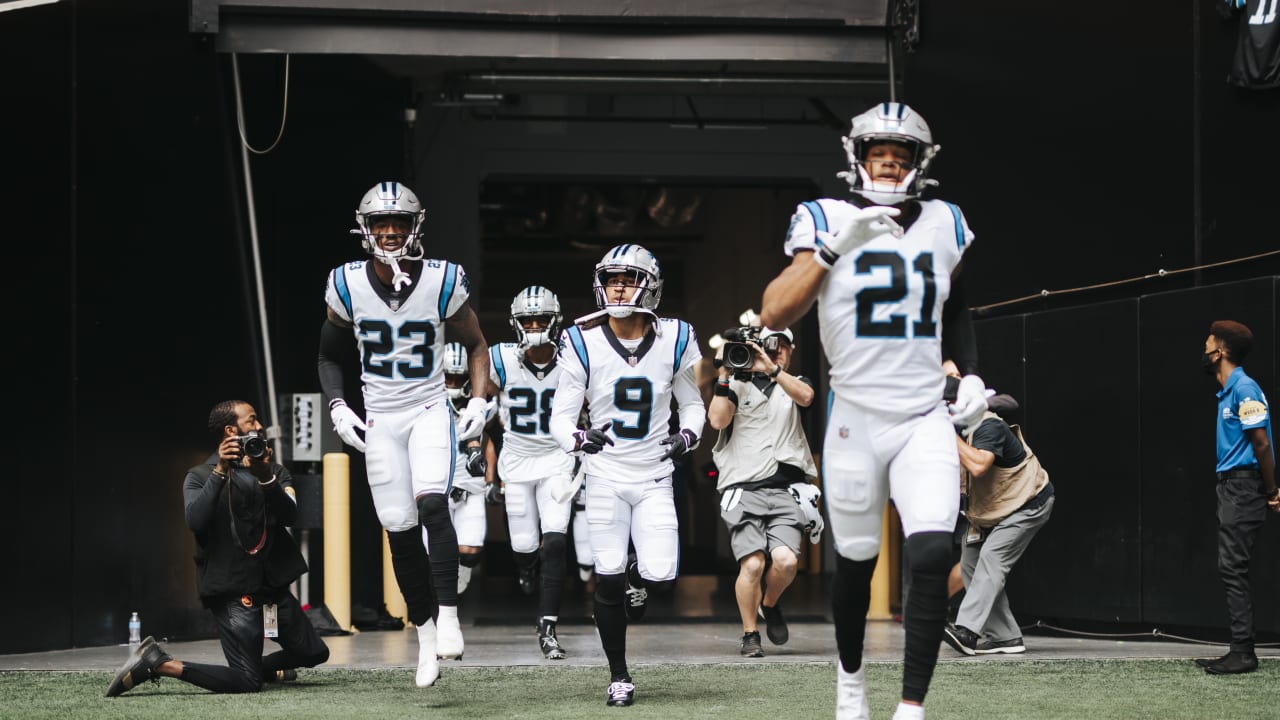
(627, 364)
(523, 376)
(397, 306)
(466, 497)
(883, 267)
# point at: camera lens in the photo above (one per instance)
(255, 447)
(738, 356)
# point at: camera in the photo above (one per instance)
(738, 355)
(253, 445)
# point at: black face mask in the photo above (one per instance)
(1207, 364)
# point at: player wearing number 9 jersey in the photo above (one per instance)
(627, 364)
(883, 268)
(398, 305)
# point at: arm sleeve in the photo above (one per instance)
(959, 342)
(200, 497)
(280, 497)
(334, 342)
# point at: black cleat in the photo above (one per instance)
(637, 596)
(751, 645)
(775, 626)
(548, 641)
(140, 667)
(961, 638)
(621, 693)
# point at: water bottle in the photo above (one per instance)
(135, 630)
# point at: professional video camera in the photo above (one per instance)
(738, 355)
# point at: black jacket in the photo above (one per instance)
(223, 565)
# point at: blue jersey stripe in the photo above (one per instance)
(344, 292)
(580, 347)
(955, 213)
(453, 454)
(446, 288)
(819, 217)
(495, 353)
(682, 342)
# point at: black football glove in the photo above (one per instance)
(679, 444)
(475, 461)
(493, 493)
(593, 440)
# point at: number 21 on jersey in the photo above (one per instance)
(905, 319)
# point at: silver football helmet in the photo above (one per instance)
(535, 301)
(390, 198)
(457, 370)
(646, 276)
(893, 122)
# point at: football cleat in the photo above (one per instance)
(140, 667)
(637, 595)
(851, 694)
(428, 665)
(621, 693)
(449, 643)
(548, 642)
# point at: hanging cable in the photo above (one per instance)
(284, 111)
(1156, 633)
(1162, 273)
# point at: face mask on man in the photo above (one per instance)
(1208, 363)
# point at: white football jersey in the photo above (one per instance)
(631, 390)
(525, 393)
(880, 307)
(400, 336)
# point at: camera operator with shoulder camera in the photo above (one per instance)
(239, 504)
(766, 472)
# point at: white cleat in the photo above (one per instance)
(908, 712)
(851, 694)
(464, 578)
(449, 640)
(428, 665)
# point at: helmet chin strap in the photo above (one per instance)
(399, 277)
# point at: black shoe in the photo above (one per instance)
(637, 595)
(991, 647)
(1206, 662)
(621, 692)
(548, 641)
(775, 626)
(1233, 663)
(751, 645)
(529, 580)
(961, 638)
(140, 667)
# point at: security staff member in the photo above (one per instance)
(1246, 483)
(239, 505)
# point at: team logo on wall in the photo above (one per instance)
(1252, 412)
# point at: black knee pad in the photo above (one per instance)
(525, 561)
(929, 552)
(431, 507)
(470, 560)
(553, 544)
(610, 589)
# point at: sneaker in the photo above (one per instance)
(637, 595)
(464, 578)
(1233, 663)
(428, 664)
(529, 580)
(775, 626)
(991, 647)
(548, 641)
(851, 694)
(961, 638)
(751, 645)
(140, 667)
(621, 693)
(449, 643)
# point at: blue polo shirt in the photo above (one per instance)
(1241, 407)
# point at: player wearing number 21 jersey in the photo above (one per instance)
(627, 364)
(883, 268)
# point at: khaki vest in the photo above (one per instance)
(765, 431)
(1001, 491)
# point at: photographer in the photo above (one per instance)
(765, 473)
(239, 504)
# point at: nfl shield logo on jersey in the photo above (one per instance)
(844, 433)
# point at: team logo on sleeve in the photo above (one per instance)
(1252, 412)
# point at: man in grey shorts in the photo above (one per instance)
(766, 471)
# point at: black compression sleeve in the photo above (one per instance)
(959, 342)
(334, 343)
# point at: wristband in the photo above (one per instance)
(825, 257)
(219, 473)
(335, 402)
(777, 370)
(264, 484)
(721, 389)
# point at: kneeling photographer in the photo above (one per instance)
(239, 504)
(766, 471)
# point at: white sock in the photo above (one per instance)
(448, 611)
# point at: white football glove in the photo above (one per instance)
(472, 418)
(864, 225)
(806, 496)
(346, 422)
(971, 401)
